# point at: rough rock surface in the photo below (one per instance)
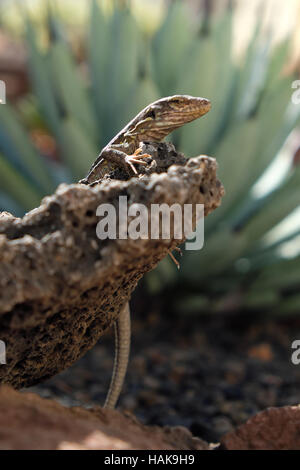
(30, 422)
(60, 286)
(272, 429)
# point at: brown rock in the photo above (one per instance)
(30, 422)
(272, 429)
(60, 286)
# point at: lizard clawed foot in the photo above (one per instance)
(131, 159)
(94, 183)
(83, 181)
(179, 250)
(173, 257)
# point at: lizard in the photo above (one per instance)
(152, 124)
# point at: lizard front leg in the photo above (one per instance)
(111, 158)
(121, 159)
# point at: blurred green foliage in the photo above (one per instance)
(128, 68)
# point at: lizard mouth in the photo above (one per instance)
(196, 108)
(202, 105)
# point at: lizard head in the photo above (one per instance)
(179, 109)
(183, 108)
(167, 114)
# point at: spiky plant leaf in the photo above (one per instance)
(280, 203)
(99, 56)
(70, 90)
(22, 190)
(170, 45)
(251, 118)
(41, 81)
(20, 152)
(77, 149)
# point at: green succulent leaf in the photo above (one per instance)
(78, 151)
(20, 151)
(274, 208)
(83, 102)
(171, 43)
(17, 186)
(70, 90)
(41, 81)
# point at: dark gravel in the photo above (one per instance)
(208, 374)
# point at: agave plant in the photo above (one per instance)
(251, 119)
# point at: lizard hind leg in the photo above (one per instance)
(173, 257)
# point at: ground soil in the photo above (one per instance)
(208, 373)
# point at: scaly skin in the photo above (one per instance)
(152, 124)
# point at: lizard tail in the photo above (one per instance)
(122, 348)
